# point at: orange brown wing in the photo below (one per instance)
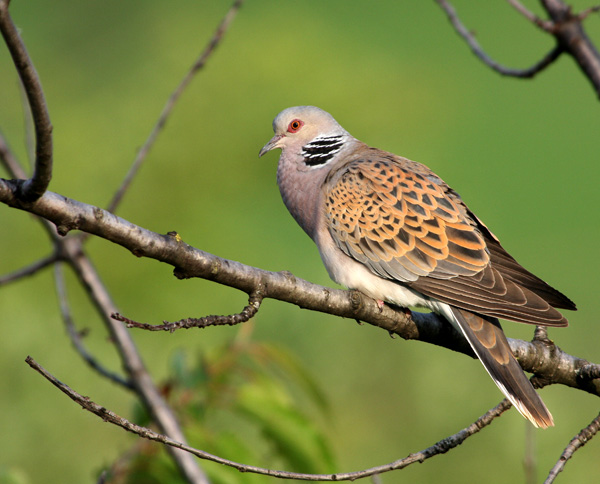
(405, 224)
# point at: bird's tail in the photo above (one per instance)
(487, 339)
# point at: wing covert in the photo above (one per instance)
(401, 223)
(406, 225)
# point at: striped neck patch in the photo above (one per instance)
(321, 149)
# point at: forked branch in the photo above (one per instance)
(563, 25)
(469, 37)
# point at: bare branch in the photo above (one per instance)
(528, 73)
(576, 443)
(246, 314)
(75, 335)
(543, 358)
(545, 25)
(581, 16)
(28, 270)
(573, 39)
(440, 447)
(564, 26)
(35, 186)
(199, 64)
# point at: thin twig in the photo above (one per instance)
(247, 313)
(199, 64)
(34, 187)
(440, 447)
(528, 73)
(75, 335)
(581, 16)
(28, 270)
(576, 443)
(545, 25)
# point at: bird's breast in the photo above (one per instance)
(301, 194)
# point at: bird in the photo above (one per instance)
(392, 229)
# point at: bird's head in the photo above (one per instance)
(300, 127)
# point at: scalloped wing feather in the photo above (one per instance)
(405, 224)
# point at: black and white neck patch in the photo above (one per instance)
(321, 149)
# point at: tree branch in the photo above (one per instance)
(245, 315)
(564, 26)
(440, 447)
(528, 73)
(35, 186)
(545, 25)
(75, 335)
(576, 443)
(541, 357)
(572, 38)
(587, 12)
(28, 270)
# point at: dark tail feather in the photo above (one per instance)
(487, 339)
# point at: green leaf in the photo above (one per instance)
(295, 438)
(296, 372)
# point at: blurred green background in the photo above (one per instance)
(523, 153)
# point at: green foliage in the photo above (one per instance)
(246, 401)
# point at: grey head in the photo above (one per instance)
(309, 133)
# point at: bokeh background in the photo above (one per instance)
(523, 153)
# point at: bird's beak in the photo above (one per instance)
(271, 145)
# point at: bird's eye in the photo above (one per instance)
(295, 125)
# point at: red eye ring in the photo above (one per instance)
(295, 126)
